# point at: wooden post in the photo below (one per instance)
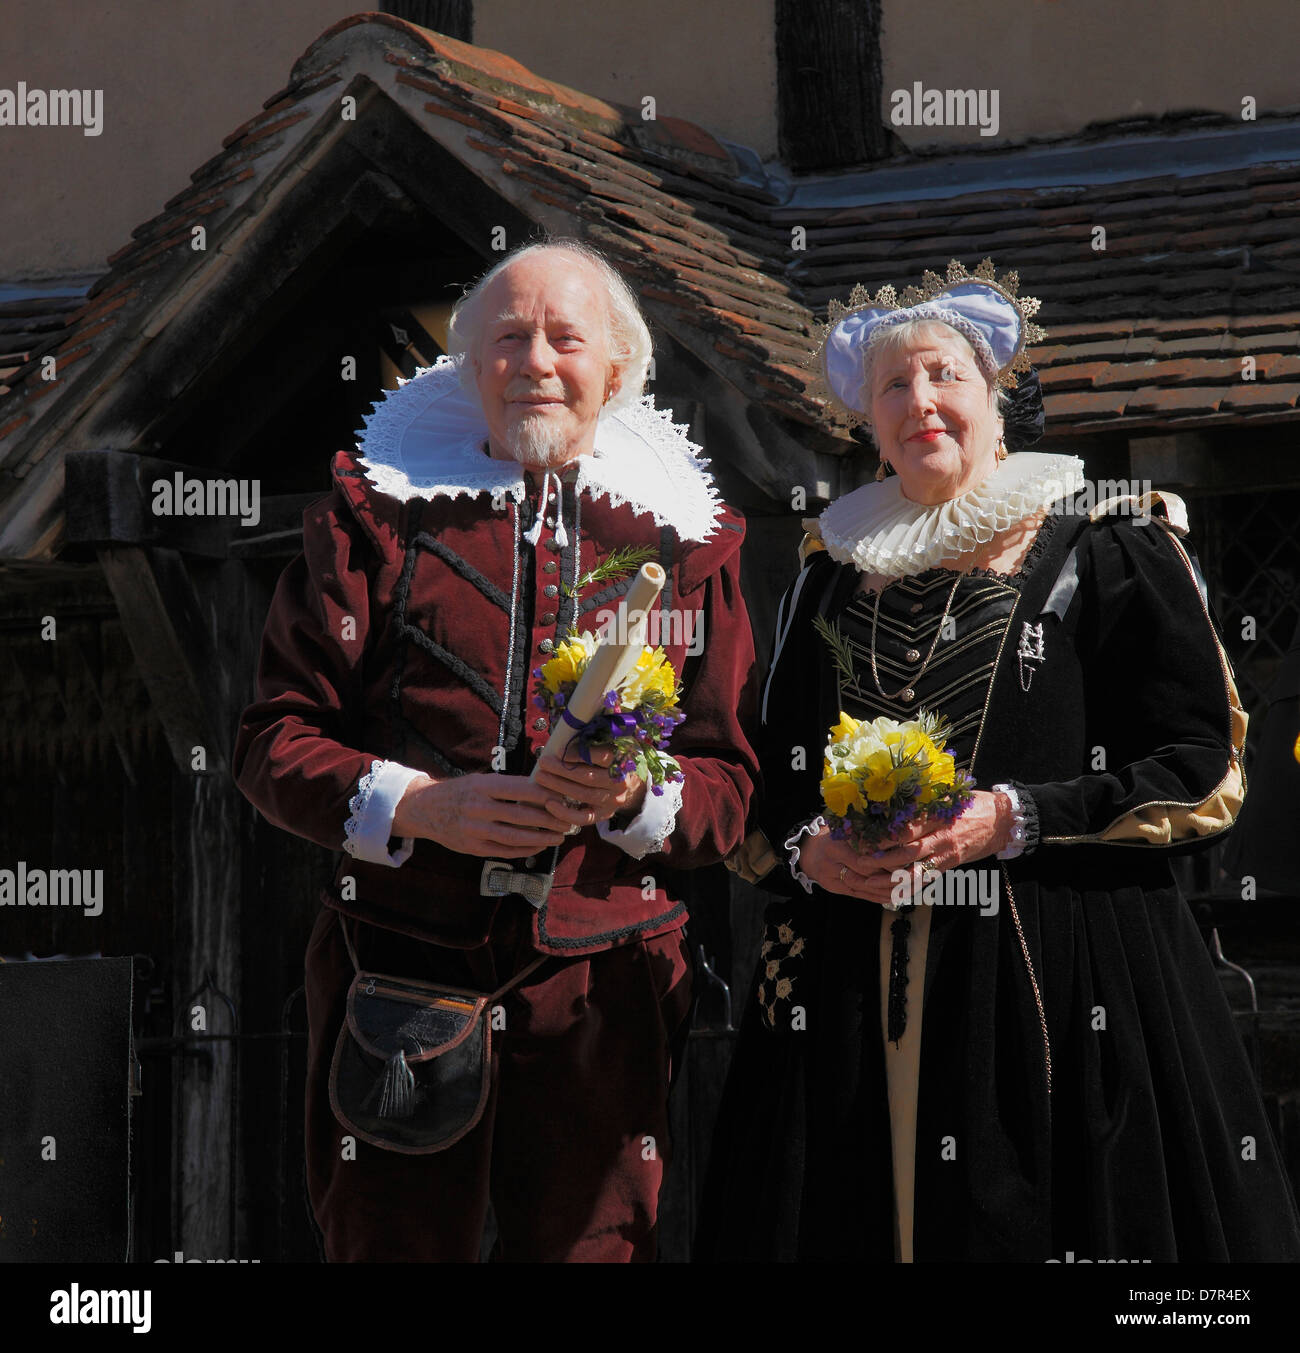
(213, 829)
(454, 18)
(829, 84)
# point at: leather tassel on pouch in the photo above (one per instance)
(397, 1095)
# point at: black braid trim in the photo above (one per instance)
(401, 593)
(620, 934)
(454, 664)
(666, 538)
(516, 697)
(568, 609)
(466, 570)
(611, 593)
(402, 729)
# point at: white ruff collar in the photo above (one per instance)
(425, 440)
(879, 531)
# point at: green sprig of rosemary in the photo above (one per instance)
(617, 564)
(841, 651)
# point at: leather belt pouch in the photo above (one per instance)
(413, 1062)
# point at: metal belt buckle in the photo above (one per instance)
(500, 879)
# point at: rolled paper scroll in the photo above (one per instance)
(613, 661)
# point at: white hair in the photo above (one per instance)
(630, 345)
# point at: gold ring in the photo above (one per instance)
(844, 872)
(574, 830)
(928, 866)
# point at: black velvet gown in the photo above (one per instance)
(1082, 1088)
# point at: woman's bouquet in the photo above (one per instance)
(636, 718)
(879, 776)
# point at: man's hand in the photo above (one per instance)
(489, 815)
(598, 794)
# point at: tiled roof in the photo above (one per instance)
(1198, 271)
(33, 316)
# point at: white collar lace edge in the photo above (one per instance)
(425, 439)
(877, 530)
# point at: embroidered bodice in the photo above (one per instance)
(955, 681)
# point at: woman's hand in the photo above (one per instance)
(982, 830)
(838, 867)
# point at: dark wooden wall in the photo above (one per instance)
(455, 18)
(828, 84)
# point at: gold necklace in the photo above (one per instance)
(907, 692)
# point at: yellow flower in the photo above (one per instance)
(840, 793)
(653, 672)
(846, 728)
(939, 772)
(881, 778)
(943, 770)
(569, 662)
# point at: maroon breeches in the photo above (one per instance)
(574, 1140)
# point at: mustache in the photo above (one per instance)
(526, 390)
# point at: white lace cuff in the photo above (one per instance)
(813, 828)
(368, 830)
(651, 827)
(1016, 846)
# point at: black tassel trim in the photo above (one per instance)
(897, 1004)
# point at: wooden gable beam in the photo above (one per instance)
(160, 614)
(110, 497)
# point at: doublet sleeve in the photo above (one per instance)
(295, 759)
(790, 739)
(1162, 723)
(713, 745)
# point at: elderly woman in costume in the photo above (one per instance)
(999, 1037)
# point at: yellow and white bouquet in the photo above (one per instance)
(880, 775)
(636, 718)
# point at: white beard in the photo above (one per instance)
(536, 440)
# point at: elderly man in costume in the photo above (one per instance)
(498, 983)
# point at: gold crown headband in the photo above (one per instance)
(982, 307)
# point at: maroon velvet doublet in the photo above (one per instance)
(420, 675)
